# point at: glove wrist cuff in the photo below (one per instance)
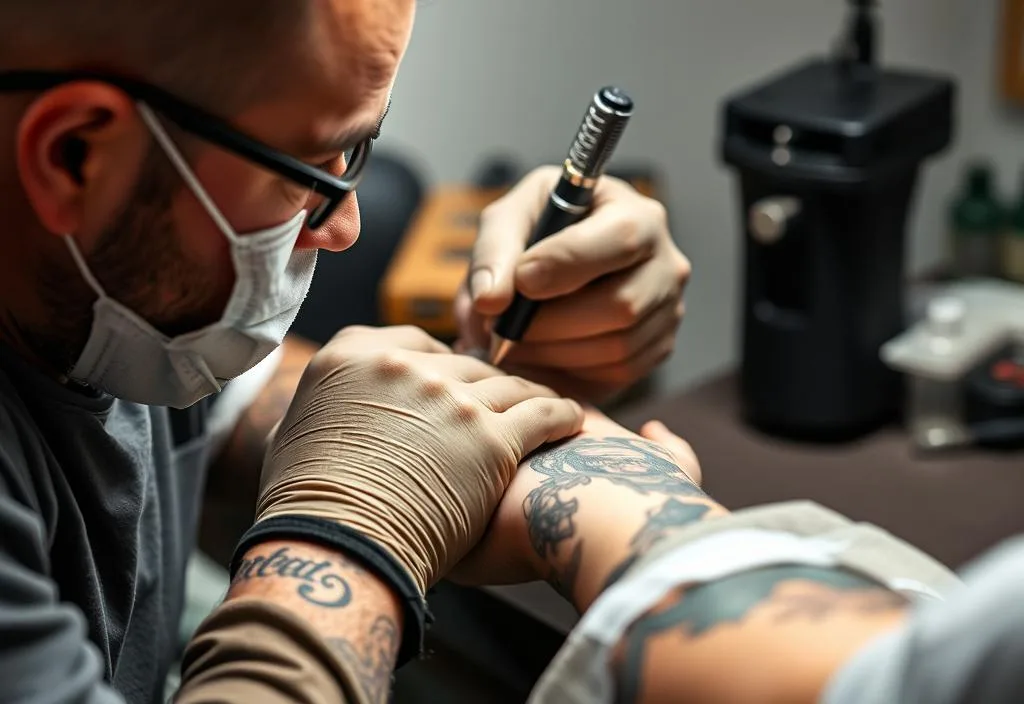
(356, 546)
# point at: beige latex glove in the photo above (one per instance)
(393, 435)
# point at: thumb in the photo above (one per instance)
(681, 451)
(505, 229)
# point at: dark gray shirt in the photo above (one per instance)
(98, 510)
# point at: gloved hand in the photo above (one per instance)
(393, 435)
(612, 287)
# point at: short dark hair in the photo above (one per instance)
(219, 54)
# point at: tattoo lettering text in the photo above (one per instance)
(318, 582)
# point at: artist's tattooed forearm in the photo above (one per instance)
(373, 662)
(671, 514)
(319, 582)
(640, 465)
(325, 583)
(794, 592)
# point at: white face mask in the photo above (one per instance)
(128, 358)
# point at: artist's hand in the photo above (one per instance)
(612, 286)
(646, 468)
(396, 437)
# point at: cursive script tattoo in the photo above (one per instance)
(704, 608)
(319, 582)
(640, 465)
(374, 661)
(672, 514)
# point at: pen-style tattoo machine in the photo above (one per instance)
(570, 201)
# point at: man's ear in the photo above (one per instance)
(79, 148)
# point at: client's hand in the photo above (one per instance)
(396, 437)
(607, 487)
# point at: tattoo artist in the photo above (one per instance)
(167, 176)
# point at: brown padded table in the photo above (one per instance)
(953, 506)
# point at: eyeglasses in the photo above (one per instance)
(331, 190)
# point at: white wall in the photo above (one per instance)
(487, 76)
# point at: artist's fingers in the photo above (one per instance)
(614, 303)
(505, 229)
(602, 350)
(623, 230)
(639, 366)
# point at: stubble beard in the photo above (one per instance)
(138, 261)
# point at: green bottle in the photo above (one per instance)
(1013, 241)
(977, 222)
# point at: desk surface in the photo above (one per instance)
(953, 506)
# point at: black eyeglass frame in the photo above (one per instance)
(199, 122)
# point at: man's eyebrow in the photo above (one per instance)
(349, 138)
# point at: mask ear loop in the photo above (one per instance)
(184, 170)
(83, 267)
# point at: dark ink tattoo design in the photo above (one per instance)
(730, 600)
(672, 514)
(318, 582)
(638, 464)
(374, 662)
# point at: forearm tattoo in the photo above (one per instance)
(318, 582)
(672, 514)
(374, 661)
(323, 583)
(702, 609)
(639, 465)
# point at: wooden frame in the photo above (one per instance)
(1012, 59)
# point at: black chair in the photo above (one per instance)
(345, 287)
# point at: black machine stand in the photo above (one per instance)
(827, 156)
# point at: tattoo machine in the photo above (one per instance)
(571, 199)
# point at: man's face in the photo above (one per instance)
(158, 251)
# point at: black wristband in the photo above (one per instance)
(416, 616)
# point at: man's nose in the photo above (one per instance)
(339, 232)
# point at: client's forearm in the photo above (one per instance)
(585, 529)
(767, 635)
